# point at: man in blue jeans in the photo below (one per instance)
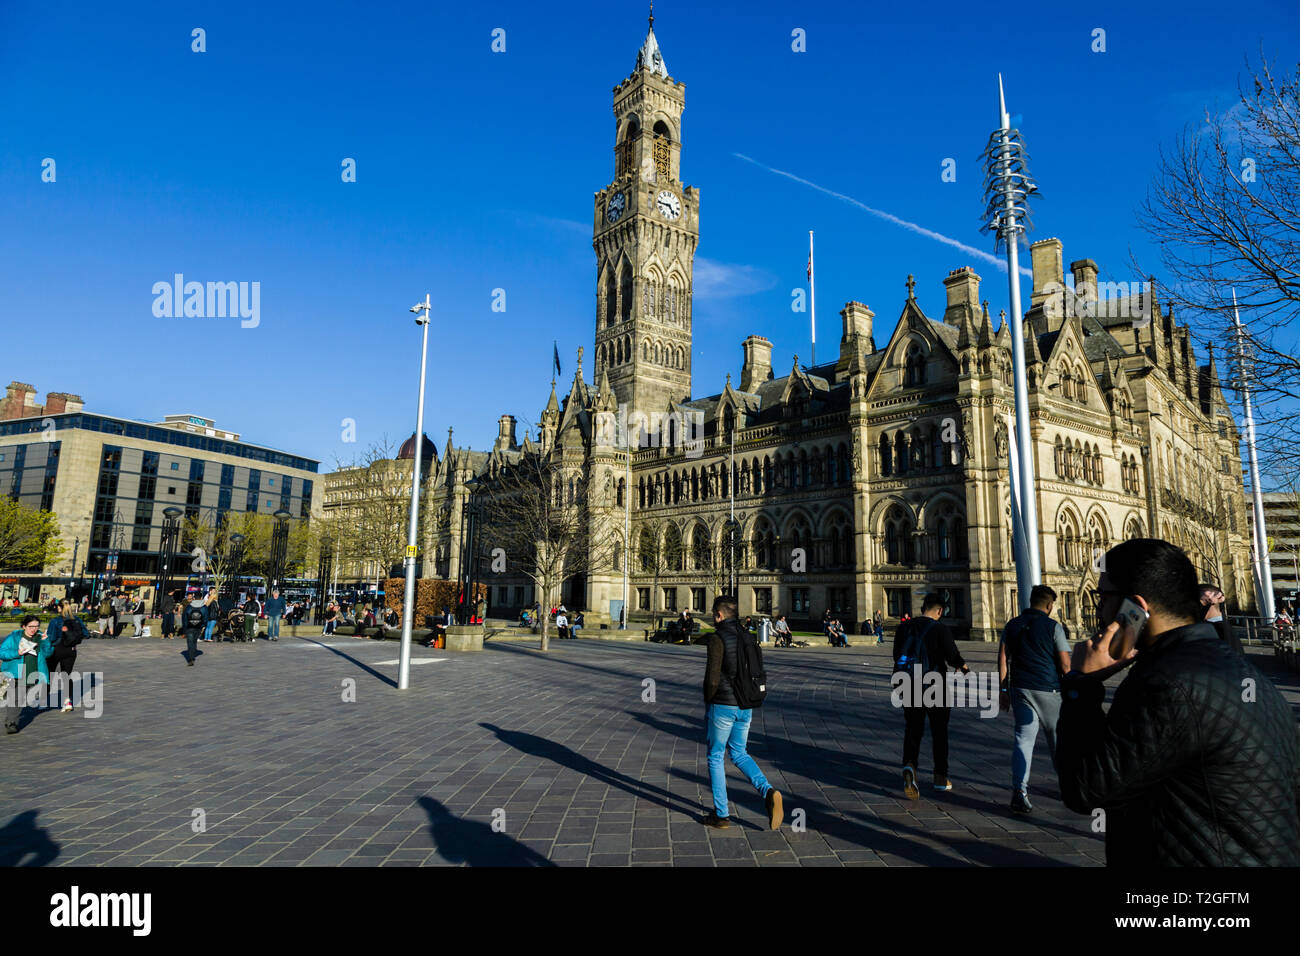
(728, 724)
(1031, 659)
(274, 610)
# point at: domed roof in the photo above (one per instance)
(428, 451)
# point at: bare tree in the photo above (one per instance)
(377, 487)
(537, 514)
(659, 550)
(1224, 210)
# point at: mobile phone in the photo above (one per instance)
(1131, 619)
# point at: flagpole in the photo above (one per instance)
(812, 298)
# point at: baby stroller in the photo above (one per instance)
(235, 622)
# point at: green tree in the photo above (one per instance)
(29, 538)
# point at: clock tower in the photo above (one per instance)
(646, 229)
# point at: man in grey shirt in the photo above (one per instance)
(1033, 655)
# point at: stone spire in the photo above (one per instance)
(986, 329)
(649, 57)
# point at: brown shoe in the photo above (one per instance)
(775, 812)
(910, 789)
(711, 819)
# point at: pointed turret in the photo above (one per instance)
(965, 331)
(1032, 355)
(1003, 338)
(985, 339)
(605, 400)
(649, 57)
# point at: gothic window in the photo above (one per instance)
(650, 296)
(672, 301)
(763, 545)
(805, 479)
(886, 456)
(622, 490)
(936, 448)
(663, 151)
(914, 367)
(700, 554)
(625, 292)
(611, 300)
(647, 548)
(900, 453)
(1059, 458)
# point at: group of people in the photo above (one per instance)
(1185, 766)
(28, 657)
(566, 627)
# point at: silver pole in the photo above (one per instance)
(1264, 569)
(408, 598)
(812, 298)
(731, 531)
(627, 521)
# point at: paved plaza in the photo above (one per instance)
(505, 757)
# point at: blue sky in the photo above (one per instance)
(475, 171)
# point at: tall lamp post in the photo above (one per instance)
(1007, 187)
(166, 553)
(279, 547)
(468, 564)
(236, 562)
(423, 311)
(1263, 568)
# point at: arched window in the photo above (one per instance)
(804, 477)
(886, 456)
(768, 475)
(914, 367)
(937, 457)
(1059, 457)
(625, 292)
(801, 537)
(944, 533)
(673, 556)
(647, 549)
(900, 453)
(763, 545)
(701, 556)
(611, 299)
(640, 486)
(757, 482)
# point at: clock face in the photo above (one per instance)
(670, 207)
(614, 211)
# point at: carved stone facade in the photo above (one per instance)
(863, 482)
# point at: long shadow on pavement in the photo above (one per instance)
(23, 843)
(564, 756)
(475, 843)
(365, 667)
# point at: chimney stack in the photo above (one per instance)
(1085, 279)
(506, 434)
(1046, 261)
(758, 363)
(963, 287)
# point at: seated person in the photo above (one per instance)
(837, 634)
(781, 630)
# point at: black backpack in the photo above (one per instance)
(195, 618)
(915, 652)
(750, 681)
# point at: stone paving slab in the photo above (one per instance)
(303, 753)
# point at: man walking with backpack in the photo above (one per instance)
(734, 684)
(922, 646)
(1031, 659)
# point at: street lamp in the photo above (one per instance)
(236, 560)
(423, 311)
(279, 546)
(1007, 188)
(166, 553)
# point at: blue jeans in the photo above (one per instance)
(273, 628)
(728, 734)
(207, 631)
(1031, 709)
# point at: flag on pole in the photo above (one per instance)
(557, 358)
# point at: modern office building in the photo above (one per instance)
(109, 480)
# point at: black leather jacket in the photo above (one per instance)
(1197, 762)
(721, 665)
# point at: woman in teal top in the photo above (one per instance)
(21, 670)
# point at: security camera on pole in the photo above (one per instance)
(408, 596)
(1007, 187)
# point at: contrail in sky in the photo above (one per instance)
(889, 217)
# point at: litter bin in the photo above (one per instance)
(764, 631)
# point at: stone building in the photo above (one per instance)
(860, 483)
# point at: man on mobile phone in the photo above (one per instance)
(1197, 762)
